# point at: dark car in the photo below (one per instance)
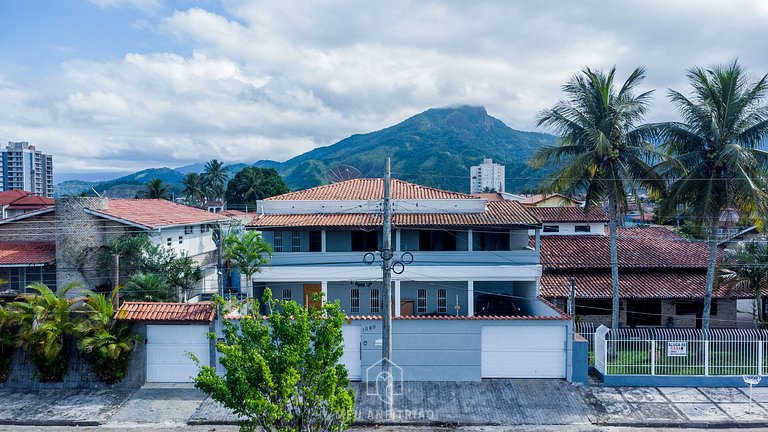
(496, 305)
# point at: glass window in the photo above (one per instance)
(365, 241)
(421, 302)
(551, 228)
(181, 239)
(315, 241)
(277, 241)
(188, 229)
(204, 229)
(375, 301)
(432, 240)
(354, 300)
(583, 228)
(287, 295)
(442, 302)
(295, 241)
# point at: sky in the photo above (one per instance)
(110, 86)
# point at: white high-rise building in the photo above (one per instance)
(488, 175)
(23, 167)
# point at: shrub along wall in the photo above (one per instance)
(79, 374)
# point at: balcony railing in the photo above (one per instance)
(420, 258)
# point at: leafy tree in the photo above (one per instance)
(149, 287)
(155, 189)
(251, 184)
(746, 270)
(284, 374)
(247, 252)
(44, 321)
(7, 342)
(602, 151)
(106, 342)
(215, 178)
(194, 188)
(716, 146)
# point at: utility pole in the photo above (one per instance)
(386, 327)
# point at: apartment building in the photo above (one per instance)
(23, 167)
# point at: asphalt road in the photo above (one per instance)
(165, 428)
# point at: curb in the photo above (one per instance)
(687, 425)
(59, 423)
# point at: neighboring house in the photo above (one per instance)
(570, 220)
(465, 294)
(16, 202)
(661, 278)
(25, 262)
(549, 200)
(79, 225)
(744, 236)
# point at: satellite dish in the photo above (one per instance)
(341, 173)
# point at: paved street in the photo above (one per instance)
(552, 428)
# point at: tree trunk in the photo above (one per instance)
(708, 289)
(759, 305)
(614, 265)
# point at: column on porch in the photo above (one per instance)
(470, 298)
(397, 297)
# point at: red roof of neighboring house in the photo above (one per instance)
(637, 247)
(155, 213)
(30, 253)
(489, 196)
(370, 189)
(535, 199)
(569, 214)
(24, 200)
(171, 312)
(497, 213)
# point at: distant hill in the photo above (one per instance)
(434, 148)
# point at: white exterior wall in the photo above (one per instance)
(569, 228)
(487, 175)
(192, 244)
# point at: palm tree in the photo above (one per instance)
(106, 342)
(602, 147)
(746, 270)
(247, 252)
(194, 188)
(6, 341)
(155, 189)
(148, 287)
(215, 178)
(720, 166)
(44, 320)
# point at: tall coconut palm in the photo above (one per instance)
(215, 177)
(601, 149)
(156, 189)
(248, 252)
(194, 188)
(724, 121)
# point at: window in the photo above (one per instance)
(582, 228)
(188, 229)
(354, 300)
(315, 241)
(492, 241)
(643, 313)
(375, 300)
(277, 241)
(204, 228)
(365, 241)
(421, 301)
(287, 295)
(181, 239)
(168, 241)
(693, 307)
(551, 228)
(442, 302)
(295, 241)
(594, 306)
(437, 240)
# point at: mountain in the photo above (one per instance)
(435, 148)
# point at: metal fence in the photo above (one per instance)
(680, 352)
(587, 330)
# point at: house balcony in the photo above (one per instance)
(420, 258)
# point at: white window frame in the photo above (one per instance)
(375, 301)
(188, 229)
(354, 300)
(442, 300)
(421, 300)
(277, 241)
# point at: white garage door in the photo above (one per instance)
(351, 357)
(167, 347)
(523, 352)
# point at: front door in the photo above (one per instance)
(313, 296)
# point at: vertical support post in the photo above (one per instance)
(538, 240)
(397, 241)
(706, 356)
(470, 242)
(653, 357)
(397, 297)
(386, 328)
(322, 241)
(471, 298)
(760, 357)
(324, 290)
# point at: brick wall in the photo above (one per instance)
(79, 231)
(36, 228)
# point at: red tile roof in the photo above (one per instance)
(638, 248)
(568, 214)
(499, 213)
(535, 199)
(30, 253)
(170, 312)
(370, 189)
(24, 200)
(156, 213)
(10, 196)
(490, 196)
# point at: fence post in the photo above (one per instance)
(653, 357)
(759, 358)
(706, 357)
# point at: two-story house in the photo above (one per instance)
(465, 284)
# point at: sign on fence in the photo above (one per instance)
(677, 349)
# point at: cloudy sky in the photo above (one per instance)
(112, 86)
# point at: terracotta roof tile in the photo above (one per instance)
(370, 189)
(535, 199)
(33, 253)
(568, 214)
(674, 284)
(171, 312)
(156, 213)
(24, 200)
(497, 213)
(638, 248)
